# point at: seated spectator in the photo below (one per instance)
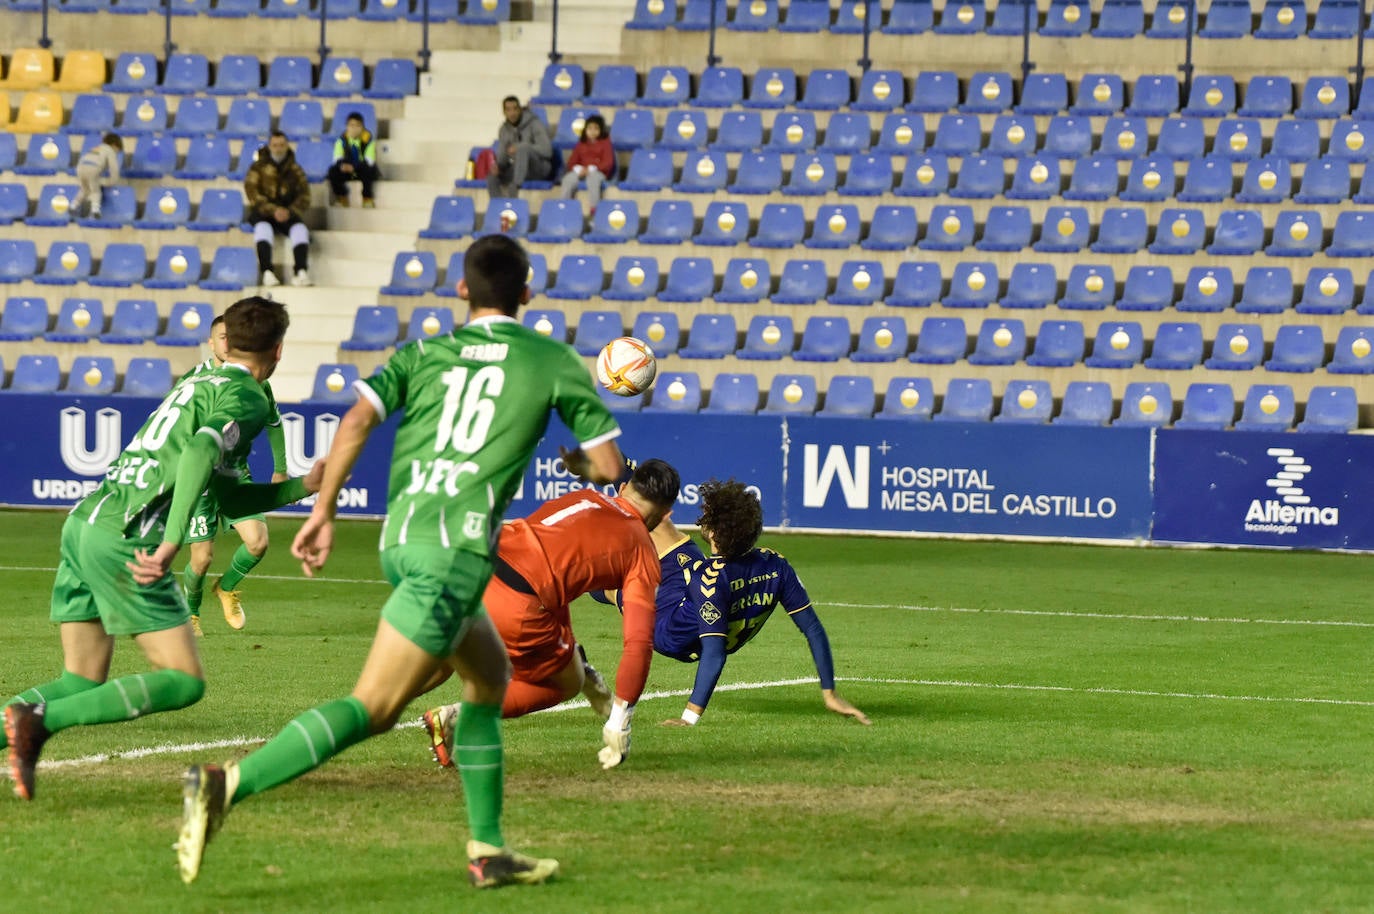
(98, 169)
(278, 195)
(355, 159)
(592, 160)
(524, 151)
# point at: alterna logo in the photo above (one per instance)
(298, 462)
(85, 461)
(817, 477)
(1293, 505)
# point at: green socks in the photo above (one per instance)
(61, 687)
(243, 562)
(124, 699)
(194, 586)
(477, 752)
(303, 745)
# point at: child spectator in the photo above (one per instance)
(592, 160)
(355, 159)
(98, 169)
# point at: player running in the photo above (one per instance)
(716, 605)
(206, 520)
(570, 546)
(135, 522)
(475, 404)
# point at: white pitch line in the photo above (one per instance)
(240, 741)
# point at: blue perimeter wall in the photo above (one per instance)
(856, 475)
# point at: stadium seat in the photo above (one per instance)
(690, 279)
(1035, 178)
(186, 74)
(767, 338)
(1120, 19)
(46, 154)
(560, 222)
(1335, 21)
(980, 177)
(1014, 17)
(696, 15)
(154, 156)
(705, 172)
(1154, 96)
(1008, 228)
(1324, 98)
(144, 114)
(792, 131)
(934, 92)
(1150, 180)
(450, 217)
(966, 400)
(53, 208)
(826, 90)
(802, 282)
(375, 328)
(675, 392)
(513, 210)
(340, 77)
(231, 269)
(1297, 348)
(121, 265)
(1237, 232)
(881, 339)
(134, 73)
(746, 282)
(880, 90)
(392, 78)
(1087, 403)
(91, 113)
(1266, 180)
(968, 18)
(1147, 289)
(288, 75)
(14, 202)
(909, 17)
(1351, 140)
(35, 374)
(670, 221)
(719, 87)
(633, 279)
(1099, 95)
(188, 324)
(23, 319)
(412, 273)
(791, 394)
(547, 322)
(1330, 409)
(1001, 341)
(561, 84)
(1044, 93)
(236, 74)
(334, 384)
(711, 336)
(1179, 232)
(1207, 289)
(812, 174)
(1237, 139)
(1296, 141)
(754, 17)
(1282, 19)
(448, 286)
(683, 130)
(972, 285)
(1123, 137)
(1146, 403)
(219, 209)
(1093, 178)
(957, 135)
(908, 398)
(1267, 97)
(734, 393)
(1211, 96)
(91, 376)
(1180, 138)
(846, 133)
(147, 378)
(579, 278)
(834, 226)
(614, 84)
(893, 228)
(1031, 285)
(988, 93)
(595, 329)
(1123, 230)
(650, 170)
(250, 120)
(1065, 230)
(950, 228)
(18, 260)
(1353, 235)
(781, 225)
(1119, 344)
(1354, 352)
(917, 284)
(1327, 291)
(614, 222)
(67, 263)
(1090, 287)
(134, 322)
(824, 339)
(1236, 347)
(301, 119)
(924, 176)
(1207, 407)
(1207, 180)
(1026, 401)
(772, 88)
(1177, 347)
(167, 208)
(1296, 234)
(427, 322)
(941, 341)
(849, 396)
(666, 87)
(724, 224)
(196, 117)
(859, 282)
(1058, 344)
(738, 131)
(1268, 407)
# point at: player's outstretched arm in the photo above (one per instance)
(837, 704)
(810, 625)
(601, 463)
(315, 539)
(709, 668)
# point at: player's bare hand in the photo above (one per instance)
(840, 706)
(313, 544)
(149, 567)
(576, 461)
(675, 722)
(314, 479)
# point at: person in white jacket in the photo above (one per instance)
(98, 169)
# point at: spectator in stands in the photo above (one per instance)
(524, 151)
(592, 160)
(278, 198)
(98, 169)
(355, 159)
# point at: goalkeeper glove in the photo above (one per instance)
(616, 734)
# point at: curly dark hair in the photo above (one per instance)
(732, 515)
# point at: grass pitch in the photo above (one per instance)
(1055, 729)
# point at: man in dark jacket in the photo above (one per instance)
(278, 195)
(355, 159)
(524, 151)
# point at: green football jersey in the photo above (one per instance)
(273, 416)
(226, 402)
(476, 403)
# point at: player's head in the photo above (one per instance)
(731, 517)
(254, 330)
(496, 271)
(653, 486)
(219, 340)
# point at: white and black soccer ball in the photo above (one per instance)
(626, 366)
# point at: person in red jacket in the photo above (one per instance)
(592, 160)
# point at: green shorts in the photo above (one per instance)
(206, 521)
(437, 593)
(94, 584)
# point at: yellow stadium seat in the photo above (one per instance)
(4, 110)
(39, 112)
(81, 71)
(30, 68)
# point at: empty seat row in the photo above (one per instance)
(132, 322)
(464, 12)
(88, 376)
(123, 265)
(156, 156)
(163, 208)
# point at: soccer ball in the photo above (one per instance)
(626, 366)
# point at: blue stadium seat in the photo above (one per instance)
(219, 209)
(924, 176)
(1031, 285)
(176, 267)
(1327, 291)
(14, 202)
(46, 154)
(719, 87)
(448, 286)
(1147, 289)
(196, 117)
(186, 74)
(1154, 96)
(1180, 232)
(1282, 19)
(1297, 233)
(849, 18)
(684, 129)
(1065, 230)
(579, 278)
(812, 174)
(633, 128)
(1058, 344)
(427, 322)
(1354, 352)
(1123, 230)
(1099, 95)
(968, 18)
(908, 398)
(934, 92)
(53, 209)
(1207, 289)
(1119, 344)
(824, 339)
(595, 329)
(1120, 19)
(652, 15)
(917, 284)
(91, 376)
(802, 282)
(1326, 180)
(755, 17)
(560, 222)
(1146, 403)
(791, 394)
(746, 281)
(1267, 290)
(972, 285)
(909, 17)
(670, 221)
(941, 341)
(614, 84)
(650, 170)
(1001, 341)
(1297, 348)
(882, 339)
(633, 279)
(666, 87)
(133, 72)
(733, 392)
(231, 269)
(847, 133)
(957, 135)
(1237, 139)
(836, 225)
(1330, 409)
(450, 217)
(966, 400)
(91, 113)
(1207, 407)
(860, 282)
(23, 319)
(1093, 178)
(739, 131)
(767, 338)
(892, 228)
(1177, 346)
(248, 119)
(147, 378)
(121, 265)
(781, 225)
(1170, 19)
(1297, 141)
(1207, 180)
(144, 114)
(980, 177)
(704, 172)
(515, 210)
(375, 328)
(561, 84)
(154, 156)
(1008, 228)
(67, 263)
(675, 392)
(1035, 178)
(1351, 140)
(724, 224)
(1324, 98)
(950, 228)
(773, 87)
(1212, 96)
(1085, 403)
(546, 321)
(711, 336)
(340, 77)
(413, 273)
(334, 383)
(1353, 235)
(1026, 401)
(988, 93)
(1268, 97)
(1335, 21)
(1088, 287)
(1014, 17)
(392, 78)
(1123, 137)
(1181, 138)
(301, 120)
(188, 325)
(1266, 180)
(849, 396)
(696, 15)
(18, 260)
(235, 74)
(35, 374)
(1012, 135)
(1151, 180)
(869, 175)
(690, 279)
(792, 131)
(880, 90)
(1236, 347)
(1044, 93)
(1237, 232)
(1364, 195)
(167, 208)
(288, 75)
(826, 90)
(1268, 407)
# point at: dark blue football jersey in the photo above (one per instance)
(729, 599)
(672, 584)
